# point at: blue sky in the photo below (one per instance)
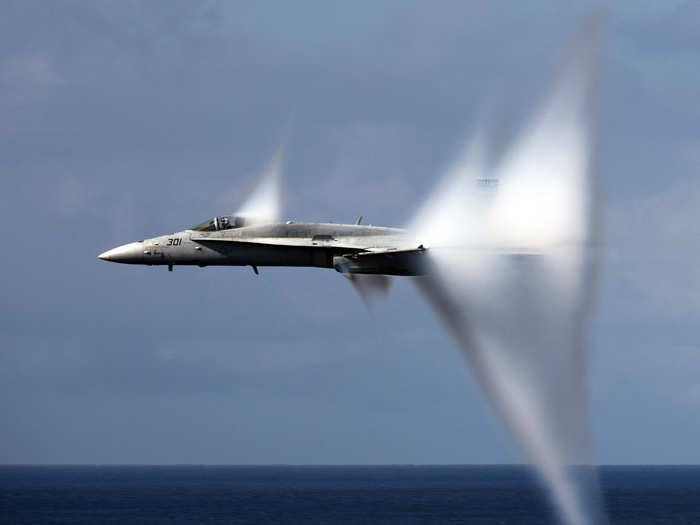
(120, 121)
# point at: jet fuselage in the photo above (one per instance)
(323, 245)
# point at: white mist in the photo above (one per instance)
(513, 250)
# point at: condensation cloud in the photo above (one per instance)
(264, 203)
(513, 249)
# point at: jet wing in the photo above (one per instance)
(355, 256)
(281, 241)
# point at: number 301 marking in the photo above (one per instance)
(174, 242)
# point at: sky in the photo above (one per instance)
(124, 120)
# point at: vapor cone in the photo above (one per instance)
(264, 203)
(512, 248)
(369, 287)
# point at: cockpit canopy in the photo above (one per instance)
(220, 223)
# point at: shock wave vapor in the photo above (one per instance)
(504, 251)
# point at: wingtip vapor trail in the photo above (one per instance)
(514, 259)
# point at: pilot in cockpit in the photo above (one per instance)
(220, 223)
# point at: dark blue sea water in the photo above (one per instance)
(333, 495)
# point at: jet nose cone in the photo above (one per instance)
(128, 253)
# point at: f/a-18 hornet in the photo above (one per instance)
(256, 237)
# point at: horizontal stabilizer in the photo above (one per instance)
(386, 262)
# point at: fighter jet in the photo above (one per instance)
(254, 236)
(230, 241)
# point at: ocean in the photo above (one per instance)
(328, 495)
